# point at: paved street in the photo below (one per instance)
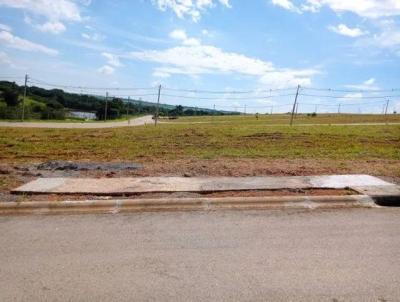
(335, 255)
(137, 121)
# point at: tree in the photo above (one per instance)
(10, 97)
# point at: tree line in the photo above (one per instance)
(43, 103)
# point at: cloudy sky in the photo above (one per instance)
(213, 45)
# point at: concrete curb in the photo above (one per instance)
(115, 206)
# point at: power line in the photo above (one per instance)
(227, 98)
(335, 105)
(352, 90)
(227, 91)
(32, 80)
(350, 96)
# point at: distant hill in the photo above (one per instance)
(43, 103)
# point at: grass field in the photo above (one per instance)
(238, 148)
(299, 119)
(238, 139)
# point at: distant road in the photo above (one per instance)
(139, 121)
(336, 255)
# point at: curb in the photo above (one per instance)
(115, 206)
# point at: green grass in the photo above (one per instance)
(202, 141)
(300, 119)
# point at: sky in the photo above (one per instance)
(265, 48)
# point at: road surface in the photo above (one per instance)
(139, 121)
(336, 255)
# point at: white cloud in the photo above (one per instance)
(387, 39)
(343, 29)
(366, 85)
(288, 78)
(112, 60)
(106, 70)
(54, 11)
(181, 36)
(286, 4)
(353, 96)
(362, 8)
(5, 60)
(93, 37)
(12, 41)
(200, 59)
(52, 27)
(5, 27)
(188, 8)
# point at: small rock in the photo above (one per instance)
(187, 174)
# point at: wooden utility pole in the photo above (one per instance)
(105, 107)
(127, 106)
(386, 110)
(294, 105)
(158, 106)
(338, 111)
(23, 100)
(387, 106)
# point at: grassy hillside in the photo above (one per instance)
(56, 104)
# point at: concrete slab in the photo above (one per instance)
(120, 186)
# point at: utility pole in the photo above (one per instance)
(158, 106)
(127, 106)
(23, 100)
(338, 111)
(387, 106)
(294, 105)
(244, 109)
(272, 109)
(386, 110)
(105, 107)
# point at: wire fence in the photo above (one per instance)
(289, 100)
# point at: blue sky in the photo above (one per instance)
(222, 45)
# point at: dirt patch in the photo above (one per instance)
(85, 166)
(13, 176)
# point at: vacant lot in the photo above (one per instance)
(284, 119)
(233, 149)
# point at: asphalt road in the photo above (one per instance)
(139, 121)
(336, 255)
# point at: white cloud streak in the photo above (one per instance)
(112, 60)
(188, 8)
(194, 60)
(52, 27)
(54, 11)
(362, 8)
(5, 27)
(366, 85)
(9, 40)
(106, 70)
(286, 4)
(344, 30)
